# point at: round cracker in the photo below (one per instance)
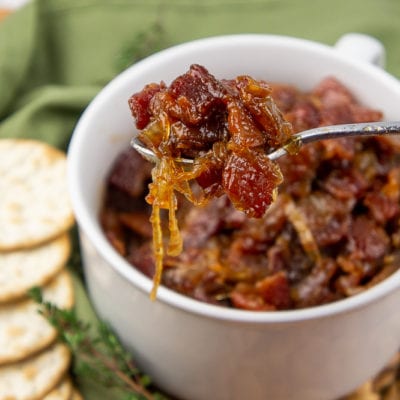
(63, 391)
(34, 377)
(23, 331)
(22, 269)
(34, 202)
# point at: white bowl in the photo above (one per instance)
(197, 351)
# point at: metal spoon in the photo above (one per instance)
(309, 136)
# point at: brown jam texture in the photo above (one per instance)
(331, 232)
(226, 126)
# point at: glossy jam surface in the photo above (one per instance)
(226, 126)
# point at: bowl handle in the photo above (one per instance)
(362, 47)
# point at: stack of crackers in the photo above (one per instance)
(35, 216)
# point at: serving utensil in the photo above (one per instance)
(309, 136)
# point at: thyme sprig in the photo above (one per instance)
(99, 356)
(144, 43)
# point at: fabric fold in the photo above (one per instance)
(48, 113)
(17, 38)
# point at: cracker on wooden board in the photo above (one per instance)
(23, 331)
(34, 377)
(34, 201)
(63, 391)
(22, 269)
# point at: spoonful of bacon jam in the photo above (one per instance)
(209, 137)
(225, 127)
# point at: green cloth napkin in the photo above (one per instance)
(55, 55)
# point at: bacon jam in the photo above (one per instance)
(331, 232)
(226, 126)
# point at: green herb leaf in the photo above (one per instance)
(99, 357)
(142, 45)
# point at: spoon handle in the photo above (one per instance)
(337, 131)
